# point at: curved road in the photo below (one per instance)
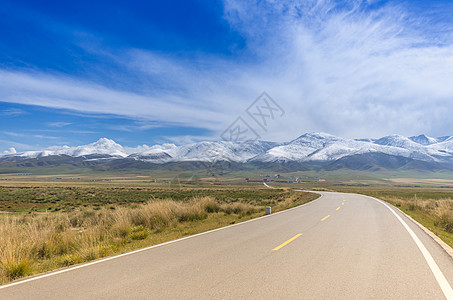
(341, 246)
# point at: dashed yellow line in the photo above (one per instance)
(287, 242)
(325, 217)
(338, 207)
(342, 203)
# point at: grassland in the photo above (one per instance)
(52, 221)
(45, 225)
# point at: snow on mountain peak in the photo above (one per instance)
(424, 140)
(103, 146)
(105, 142)
(399, 141)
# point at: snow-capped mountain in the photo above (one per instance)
(299, 149)
(426, 140)
(326, 147)
(310, 147)
(203, 151)
(103, 146)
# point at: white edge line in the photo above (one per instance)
(52, 273)
(441, 280)
(437, 239)
(445, 246)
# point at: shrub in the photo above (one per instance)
(445, 220)
(139, 233)
(210, 204)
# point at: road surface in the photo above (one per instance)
(341, 246)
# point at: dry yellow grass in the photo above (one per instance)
(34, 243)
(440, 210)
(85, 235)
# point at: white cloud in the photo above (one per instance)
(12, 112)
(67, 93)
(351, 72)
(13, 134)
(189, 139)
(47, 137)
(138, 126)
(10, 151)
(347, 70)
(58, 124)
(21, 146)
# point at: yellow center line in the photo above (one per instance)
(287, 242)
(338, 207)
(342, 203)
(325, 217)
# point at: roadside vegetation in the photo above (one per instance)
(45, 227)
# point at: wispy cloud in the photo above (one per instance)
(357, 69)
(58, 124)
(12, 112)
(47, 137)
(187, 139)
(84, 132)
(138, 126)
(15, 134)
(22, 146)
(67, 93)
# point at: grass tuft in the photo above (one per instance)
(17, 268)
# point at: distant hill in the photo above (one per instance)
(311, 151)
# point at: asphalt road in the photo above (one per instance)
(341, 246)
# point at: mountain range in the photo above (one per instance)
(310, 150)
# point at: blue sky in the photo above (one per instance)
(146, 72)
